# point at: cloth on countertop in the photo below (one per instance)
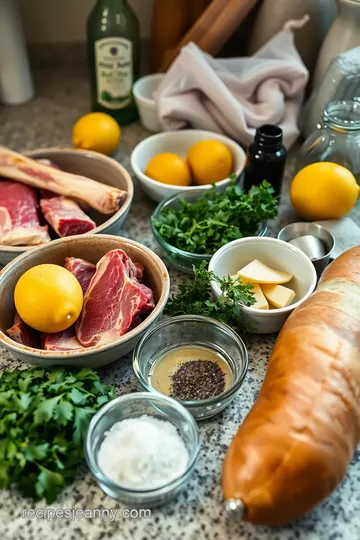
(346, 234)
(234, 96)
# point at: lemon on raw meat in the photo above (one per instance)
(323, 190)
(96, 131)
(48, 298)
(170, 169)
(209, 161)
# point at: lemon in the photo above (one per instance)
(209, 161)
(323, 191)
(96, 131)
(48, 298)
(170, 169)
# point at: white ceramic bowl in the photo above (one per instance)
(276, 254)
(143, 91)
(95, 166)
(178, 142)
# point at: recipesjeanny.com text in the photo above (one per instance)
(72, 514)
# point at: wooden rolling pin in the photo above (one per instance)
(214, 27)
(197, 8)
(171, 20)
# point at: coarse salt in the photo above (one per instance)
(143, 453)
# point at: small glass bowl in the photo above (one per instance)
(132, 406)
(184, 260)
(193, 330)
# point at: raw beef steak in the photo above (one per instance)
(139, 271)
(113, 300)
(22, 333)
(61, 341)
(65, 216)
(19, 220)
(82, 270)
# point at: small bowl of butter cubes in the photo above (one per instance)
(281, 275)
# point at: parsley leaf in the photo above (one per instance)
(77, 396)
(63, 412)
(45, 410)
(43, 420)
(195, 298)
(81, 422)
(214, 219)
(48, 484)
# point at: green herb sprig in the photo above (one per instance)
(44, 415)
(195, 298)
(214, 219)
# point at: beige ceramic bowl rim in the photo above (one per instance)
(276, 244)
(94, 155)
(218, 136)
(68, 355)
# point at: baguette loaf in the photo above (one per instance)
(296, 443)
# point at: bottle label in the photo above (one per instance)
(114, 72)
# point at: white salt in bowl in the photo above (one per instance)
(132, 406)
(93, 165)
(91, 248)
(276, 254)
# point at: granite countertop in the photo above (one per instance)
(198, 513)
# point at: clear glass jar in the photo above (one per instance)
(337, 139)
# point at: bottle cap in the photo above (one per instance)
(269, 135)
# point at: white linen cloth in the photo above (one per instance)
(234, 96)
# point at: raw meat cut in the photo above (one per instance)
(139, 271)
(46, 194)
(22, 333)
(82, 270)
(61, 341)
(65, 216)
(19, 219)
(105, 199)
(113, 300)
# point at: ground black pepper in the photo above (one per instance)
(197, 379)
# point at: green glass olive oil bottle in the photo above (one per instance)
(114, 57)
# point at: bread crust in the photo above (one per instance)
(296, 443)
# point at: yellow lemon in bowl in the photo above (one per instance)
(48, 298)
(97, 131)
(168, 168)
(209, 161)
(324, 190)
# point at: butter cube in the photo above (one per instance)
(260, 300)
(278, 295)
(257, 272)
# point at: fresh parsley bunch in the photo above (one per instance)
(44, 415)
(195, 298)
(214, 219)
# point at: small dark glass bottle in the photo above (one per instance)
(114, 57)
(266, 158)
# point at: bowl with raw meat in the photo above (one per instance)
(53, 193)
(125, 286)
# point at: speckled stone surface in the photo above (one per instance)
(198, 513)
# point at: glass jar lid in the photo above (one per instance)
(343, 116)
